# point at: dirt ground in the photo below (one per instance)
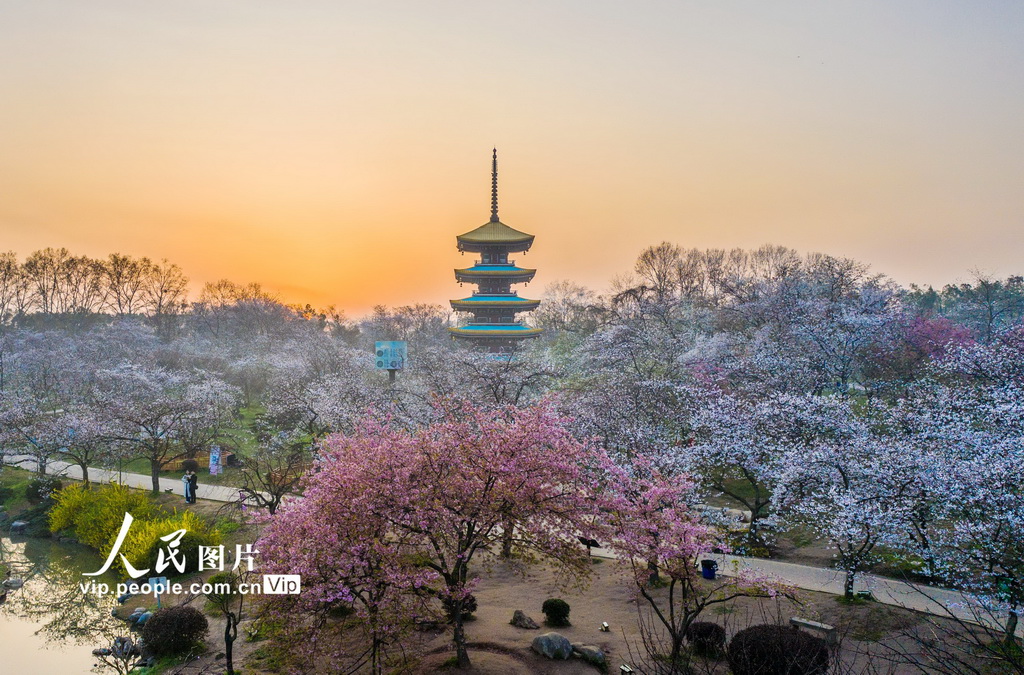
(498, 648)
(504, 649)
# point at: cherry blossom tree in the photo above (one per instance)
(968, 422)
(162, 415)
(982, 547)
(275, 469)
(650, 525)
(842, 492)
(443, 495)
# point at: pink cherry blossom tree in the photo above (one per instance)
(651, 527)
(442, 495)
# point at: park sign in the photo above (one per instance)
(390, 355)
(214, 460)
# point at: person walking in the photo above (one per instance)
(193, 481)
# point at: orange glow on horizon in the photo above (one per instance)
(333, 151)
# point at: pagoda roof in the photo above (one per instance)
(507, 331)
(510, 272)
(481, 301)
(495, 232)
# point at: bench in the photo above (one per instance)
(828, 632)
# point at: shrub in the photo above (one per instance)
(468, 607)
(556, 612)
(174, 630)
(142, 545)
(777, 650)
(42, 487)
(5, 493)
(96, 515)
(706, 638)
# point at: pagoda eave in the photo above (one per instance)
(502, 333)
(513, 276)
(515, 304)
(484, 246)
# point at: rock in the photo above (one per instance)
(520, 620)
(101, 652)
(591, 654)
(140, 610)
(13, 583)
(19, 526)
(123, 598)
(122, 647)
(143, 618)
(553, 646)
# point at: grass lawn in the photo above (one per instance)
(12, 488)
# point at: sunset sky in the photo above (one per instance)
(332, 150)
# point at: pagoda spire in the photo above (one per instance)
(494, 186)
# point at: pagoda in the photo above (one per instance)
(494, 305)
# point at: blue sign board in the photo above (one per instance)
(390, 355)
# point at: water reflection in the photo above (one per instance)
(49, 624)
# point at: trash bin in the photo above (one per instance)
(708, 568)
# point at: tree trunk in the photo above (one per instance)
(848, 585)
(227, 649)
(654, 577)
(1010, 637)
(676, 664)
(459, 638)
(507, 532)
(85, 473)
(154, 468)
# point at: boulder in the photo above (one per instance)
(13, 583)
(553, 646)
(143, 618)
(590, 654)
(122, 647)
(520, 620)
(19, 526)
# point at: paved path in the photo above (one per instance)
(218, 493)
(918, 597)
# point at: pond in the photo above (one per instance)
(49, 625)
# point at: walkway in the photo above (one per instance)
(917, 597)
(217, 493)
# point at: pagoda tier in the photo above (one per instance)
(494, 301)
(487, 275)
(492, 235)
(494, 305)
